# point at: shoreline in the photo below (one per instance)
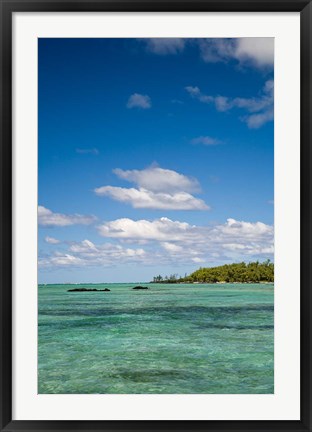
(157, 283)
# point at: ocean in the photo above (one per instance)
(169, 339)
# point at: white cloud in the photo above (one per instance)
(84, 246)
(193, 91)
(167, 230)
(51, 240)
(255, 121)
(172, 247)
(164, 241)
(158, 179)
(260, 109)
(165, 46)
(184, 242)
(143, 198)
(48, 218)
(256, 51)
(60, 260)
(251, 51)
(138, 100)
(205, 140)
(157, 188)
(177, 241)
(197, 94)
(198, 260)
(214, 50)
(86, 253)
(248, 230)
(162, 229)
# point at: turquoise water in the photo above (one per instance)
(168, 339)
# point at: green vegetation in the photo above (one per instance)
(253, 272)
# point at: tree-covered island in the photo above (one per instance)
(253, 272)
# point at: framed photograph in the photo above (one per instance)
(155, 215)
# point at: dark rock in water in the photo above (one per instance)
(140, 287)
(86, 290)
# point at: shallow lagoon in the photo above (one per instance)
(200, 338)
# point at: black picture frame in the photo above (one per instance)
(7, 8)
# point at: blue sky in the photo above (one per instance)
(155, 156)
